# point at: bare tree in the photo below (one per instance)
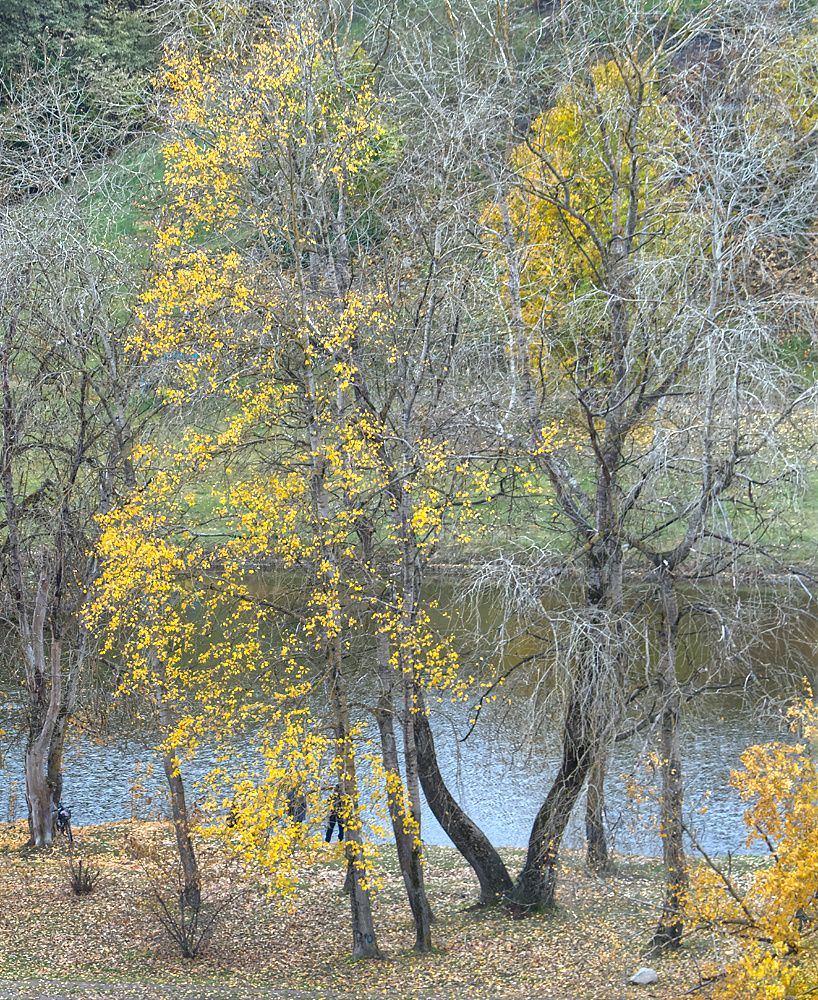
(66, 414)
(663, 359)
(605, 386)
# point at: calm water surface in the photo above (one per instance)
(499, 777)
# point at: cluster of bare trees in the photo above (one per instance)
(627, 180)
(572, 222)
(69, 403)
(667, 163)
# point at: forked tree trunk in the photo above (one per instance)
(585, 732)
(596, 517)
(192, 892)
(669, 930)
(536, 885)
(406, 830)
(467, 837)
(404, 803)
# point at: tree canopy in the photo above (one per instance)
(505, 295)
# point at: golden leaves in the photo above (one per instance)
(771, 915)
(574, 179)
(301, 469)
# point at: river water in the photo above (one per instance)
(498, 775)
(499, 783)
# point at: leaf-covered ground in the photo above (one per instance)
(109, 943)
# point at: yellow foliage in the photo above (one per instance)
(771, 917)
(790, 75)
(573, 176)
(300, 466)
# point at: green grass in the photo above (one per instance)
(125, 198)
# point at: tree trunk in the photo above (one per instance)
(192, 895)
(38, 799)
(364, 940)
(54, 765)
(44, 700)
(407, 832)
(410, 756)
(668, 932)
(57, 742)
(44, 708)
(597, 857)
(587, 727)
(536, 885)
(412, 568)
(467, 837)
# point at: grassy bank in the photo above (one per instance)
(55, 943)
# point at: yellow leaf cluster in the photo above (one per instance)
(771, 918)
(573, 176)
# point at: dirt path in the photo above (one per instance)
(41, 989)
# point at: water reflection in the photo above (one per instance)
(502, 772)
(499, 785)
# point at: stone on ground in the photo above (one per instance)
(643, 977)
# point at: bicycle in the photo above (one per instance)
(63, 821)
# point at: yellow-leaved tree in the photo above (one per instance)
(573, 176)
(328, 455)
(251, 306)
(766, 920)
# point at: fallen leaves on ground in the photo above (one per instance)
(300, 946)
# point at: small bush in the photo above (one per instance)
(188, 916)
(188, 923)
(83, 879)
